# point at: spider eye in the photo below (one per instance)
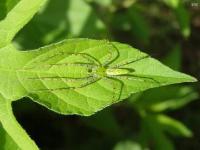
(90, 70)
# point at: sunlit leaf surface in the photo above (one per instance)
(81, 76)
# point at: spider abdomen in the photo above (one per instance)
(117, 71)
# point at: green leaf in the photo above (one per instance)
(66, 22)
(154, 127)
(173, 126)
(127, 145)
(15, 137)
(140, 27)
(183, 18)
(174, 58)
(182, 15)
(158, 100)
(105, 122)
(3, 9)
(152, 134)
(104, 3)
(48, 75)
(172, 3)
(84, 22)
(10, 4)
(133, 21)
(17, 18)
(6, 142)
(6, 6)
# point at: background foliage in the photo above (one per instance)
(168, 29)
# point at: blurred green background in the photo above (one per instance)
(165, 118)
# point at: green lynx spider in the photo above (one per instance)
(97, 71)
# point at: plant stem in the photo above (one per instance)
(13, 128)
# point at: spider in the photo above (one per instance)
(95, 71)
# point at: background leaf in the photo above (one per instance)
(151, 129)
(182, 15)
(128, 145)
(173, 126)
(160, 101)
(6, 6)
(74, 18)
(6, 141)
(16, 19)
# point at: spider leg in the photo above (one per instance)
(92, 60)
(89, 65)
(58, 78)
(130, 61)
(73, 64)
(136, 78)
(113, 54)
(88, 57)
(90, 81)
(117, 94)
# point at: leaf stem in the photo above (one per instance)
(13, 128)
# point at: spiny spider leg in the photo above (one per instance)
(58, 78)
(129, 62)
(111, 58)
(135, 77)
(58, 54)
(91, 81)
(114, 88)
(91, 59)
(73, 64)
(51, 57)
(66, 64)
